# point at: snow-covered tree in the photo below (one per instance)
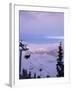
(60, 64)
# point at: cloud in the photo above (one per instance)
(41, 23)
(54, 37)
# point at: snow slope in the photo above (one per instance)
(43, 56)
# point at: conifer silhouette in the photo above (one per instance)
(60, 64)
(34, 75)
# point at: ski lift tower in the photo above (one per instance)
(22, 47)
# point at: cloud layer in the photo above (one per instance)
(36, 23)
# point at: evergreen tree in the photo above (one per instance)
(29, 76)
(34, 75)
(24, 74)
(60, 65)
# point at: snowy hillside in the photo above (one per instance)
(42, 60)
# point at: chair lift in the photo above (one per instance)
(27, 55)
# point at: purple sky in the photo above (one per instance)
(45, 24)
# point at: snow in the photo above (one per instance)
(43, 56)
